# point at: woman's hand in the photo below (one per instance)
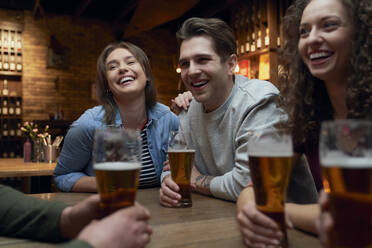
(324, 223)
(181, 102)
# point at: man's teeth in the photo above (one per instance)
(198, 84)
(126, 79)
(319, 55)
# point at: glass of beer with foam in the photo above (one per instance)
(270, 154)
(345, 152)
(117, 165)
(181, 158)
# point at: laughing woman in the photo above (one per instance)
(126, 91)
(327, 75)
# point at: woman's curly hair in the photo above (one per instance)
(305, 97)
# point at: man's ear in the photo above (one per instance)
(232, 61)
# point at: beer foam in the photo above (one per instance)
(269, 150)
(336, 159)
(116, 166)
(181, 150)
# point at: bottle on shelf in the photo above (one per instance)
(12, 65)
(5, 64)
(5, 129)
(12, 40)
(18, 109)
(19, 131)
(19, 63)
(267, 41)
(4, 154)
(5, 91)
(259, 42)
(12, 130)
(1, 62)
(19, 42)
(253, 42)
(5, 40)
(5, 107)
(11, 108)
(12, 154)
(27, 151)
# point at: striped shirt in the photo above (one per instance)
(148, 176)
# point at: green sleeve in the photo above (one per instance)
(24, 216)
(75, 244)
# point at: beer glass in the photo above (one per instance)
(117, 165)
(181, 159)
(270, 154)
(345, 152)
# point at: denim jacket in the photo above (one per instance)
(75, 160)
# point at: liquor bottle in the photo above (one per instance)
(11, 109)
(18, 110)
(5, 107)
(5, 91)
(19, 131)
(253, 43)
(1, 62)
(19, 63)
(259, 42)
(27, 151)
(267, 41)
(248, 44)
(12, 41)
(5, 154)
(12, 65)
(19, 42)
(12, 131)
(5, 64)
(5, 130)
(5, 40)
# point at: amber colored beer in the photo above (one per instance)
(117, 184)
(181, 163)
(349, 182)
(270, 177)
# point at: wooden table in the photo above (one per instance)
(15, 167)
(209, 223)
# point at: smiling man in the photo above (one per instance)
(226, 107)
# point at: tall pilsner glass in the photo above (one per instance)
(345, 152)
(117, 165)
(181, 159)
(270, 154)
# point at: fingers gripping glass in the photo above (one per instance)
(117, 164)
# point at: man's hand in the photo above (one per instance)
(257, 229)
(126, 228)
(181, 102)
(199, 182)
(75, 218)
(169, 196)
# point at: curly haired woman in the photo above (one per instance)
(327, 74)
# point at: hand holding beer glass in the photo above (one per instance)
(181, 159)
(270, 154)
(345, 153)
(117, 165)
